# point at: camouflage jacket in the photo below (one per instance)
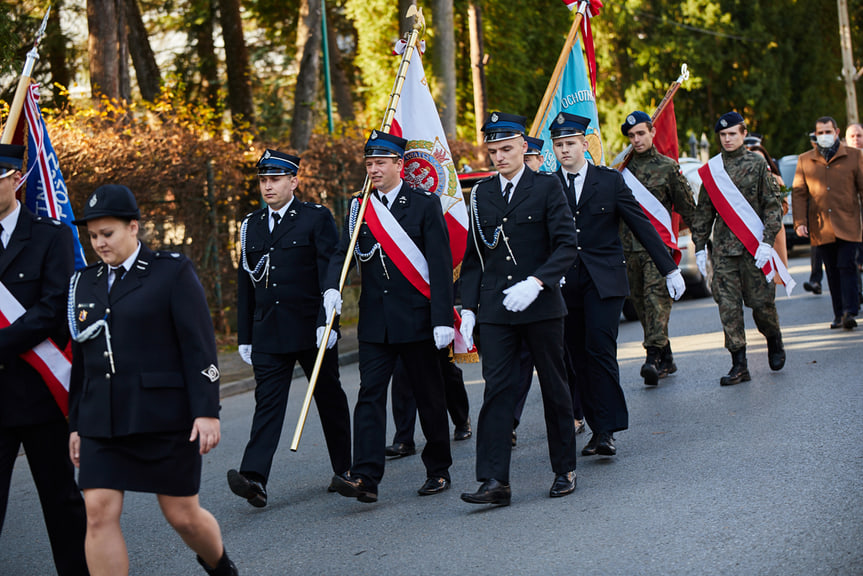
(749, 173)
(662, 178)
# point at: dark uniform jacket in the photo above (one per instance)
(392, 310)
(280, 313)
(35, 268)
(606, 200)
(164, 352)
(538, 226)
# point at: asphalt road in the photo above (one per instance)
(759, 478)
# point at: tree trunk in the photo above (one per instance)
(123, 72)
(443, 55)
(340, 84)
(55, 47)
(146, 70)
(309, 58)
(405, 25)
(237, 61)
(202, 31)
(477, 66)
(103, 50)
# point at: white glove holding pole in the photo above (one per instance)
(245, 351)
(701, 262)
(443, 335)
(331, 341)
(675, 284)
(332, 301)
(522, 294)
(763, 254)
(468, 321)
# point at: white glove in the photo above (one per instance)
(675, 284)
(468, 321)
(331, 341)
(332, 301)
(245, 351)
(443, 335)
(521, 295)
(701, 262)
(763, 254)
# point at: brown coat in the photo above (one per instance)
(827, 196)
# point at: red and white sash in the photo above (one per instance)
(406, 255)
(740, 217)
(48, 360)
(655, 212)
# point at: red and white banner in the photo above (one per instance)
(428, 162)
(48, 360)
(655, 212)
(740, 217)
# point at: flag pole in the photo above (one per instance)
(23, 85)
(542, 114)
(663, 104)
(412, 40)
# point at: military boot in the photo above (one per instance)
(666, 362)
(739, 370)
(224, 568)
(650, 368)
(775, 352)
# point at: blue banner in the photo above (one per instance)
(575, 96)
(46, 190)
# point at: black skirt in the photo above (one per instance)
(160, 463)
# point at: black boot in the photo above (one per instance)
(775, 352)
(666, 362)
(650, 370)
(739, 370)
(224, 568)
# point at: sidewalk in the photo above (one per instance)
(237, 376)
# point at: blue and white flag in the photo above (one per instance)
(575, 96)
(46, 190)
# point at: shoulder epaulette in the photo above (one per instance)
(168, 254)
(47, 220)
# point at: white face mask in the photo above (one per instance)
(825, 140)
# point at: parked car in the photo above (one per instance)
(787, 167)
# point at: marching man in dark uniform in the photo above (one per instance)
(405, 312)
(286, 250)
(743, 191)
(649, 172)
(520, 243)
(36, 261)
(596, 284)
(144, 394)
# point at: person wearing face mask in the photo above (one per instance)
(826, 199)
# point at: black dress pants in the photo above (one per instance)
(273, 373)
(841, 268)
(377, 363)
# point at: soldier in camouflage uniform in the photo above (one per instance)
(661, 176)
(737, 279)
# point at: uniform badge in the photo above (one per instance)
(560, 118)
(82, 316)
(403, 200)
(630, 120)
(292, 212)
(724, 122)
(211, 372)
(374, 136)
(267, 155)
(495, 117)
(93, 200)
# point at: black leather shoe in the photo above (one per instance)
(400, 450)
(650, 368)
(837, 323)
(225, 567)
(590, 448)
(433, 485)
(490, 492)
(252, 490)
(848, 322)
(356, 487)
(563, 484)
(775, 352)
(333, 483)
(605, 444)
(462, 431)
(739, 369)
(814, 287)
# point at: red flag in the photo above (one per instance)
(665, 140)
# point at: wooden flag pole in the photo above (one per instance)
(23, 85)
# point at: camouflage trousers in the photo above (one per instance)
(736, 281)
(650, 296)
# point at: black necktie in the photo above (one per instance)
(276, 219)
(385, 200)
(506, 190)
(2, 246)
(118, 273)
(571, 178)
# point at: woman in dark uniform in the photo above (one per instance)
(144, 394)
